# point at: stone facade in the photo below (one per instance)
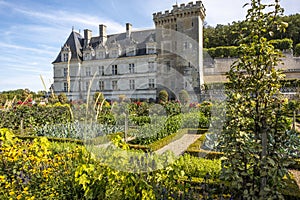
(215, 69)
(137, 64)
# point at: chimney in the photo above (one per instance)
(128, 29)
(87, 37)
(102, 33)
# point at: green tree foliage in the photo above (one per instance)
(62, 98)
(163, 96)
(53, 98)
(282, 44)
(228, 35)
(184, 97)
(255, 131)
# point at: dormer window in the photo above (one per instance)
(114, 53)
(87, 56)
(114, 50)
(65, 57)
(101, 55)
(88, 53)
(151, 46)
(65, 53)
(130, 51)
(151, 50)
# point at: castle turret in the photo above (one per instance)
(179, 36)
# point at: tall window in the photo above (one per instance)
(65, 87)
(167, 66)
(131, 68)
(151, 83)
(101, 70)
(131, 84)
(65, 72)
(101, 85)
(151, 67)
(185, 45)
(88, 71)
(87, 56)
(114, 69)
(114, 85)
(87, 84)
(65, 56)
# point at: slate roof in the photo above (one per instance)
(75, 41)
(138, 38)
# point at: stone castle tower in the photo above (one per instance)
(179, 36)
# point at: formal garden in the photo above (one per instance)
(51, 148)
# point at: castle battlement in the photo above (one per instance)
(181, 11)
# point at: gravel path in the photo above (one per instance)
(180, 145)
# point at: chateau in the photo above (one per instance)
(137, 64)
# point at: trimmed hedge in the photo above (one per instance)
(95, 141)
(51, 139)
(204, 154)
(282, 44)
(194, 150)
(232, 51)
(223, 52)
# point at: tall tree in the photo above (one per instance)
(255, 130)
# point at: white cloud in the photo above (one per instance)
(24, 48)
(62, 18)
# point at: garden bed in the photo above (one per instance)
(195, 150)
(166, 140)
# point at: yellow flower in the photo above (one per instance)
(2, 179)
(19, 196)
(11, 193)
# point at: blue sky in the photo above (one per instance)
(33, 31)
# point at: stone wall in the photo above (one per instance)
(215, 69)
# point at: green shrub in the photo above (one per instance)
(38, 169)
(34, 116)
(194, 120)
(198, 167)
(77, 130)
(62, 98)
(297, 49)
(184, 97)
(158, 129)
(172, 108)
(140, 120)
(163, 96)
